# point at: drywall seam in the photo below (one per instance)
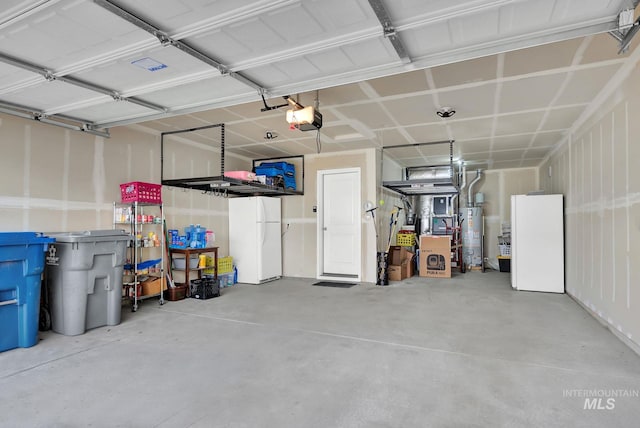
(333, 154)
(591, 245)
(601, 211)
(173, 174)
(152, 165)
(613, 197)
(66, 162)
(204, 212)
(496, 100)
(19, 202)
(192, 168)
(99, 178)
(570, 204)
(583, 198)
(501, 170)
(628, 234)
(502, 208)
(599, 207)
(129, 162)
(303, 220)
(26, 177)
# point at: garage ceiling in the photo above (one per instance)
(518, 73)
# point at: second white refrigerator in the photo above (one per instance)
(537, 243)
(255, 238)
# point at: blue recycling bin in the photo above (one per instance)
(21, 265)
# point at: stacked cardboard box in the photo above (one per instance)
(400, 263)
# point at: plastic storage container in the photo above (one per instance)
(504, 263)
(180, 263)
(85, 279)
(283, 169)
(21, 265)
(173, 294)
(137, 191)
(205, 288)
(286, 167)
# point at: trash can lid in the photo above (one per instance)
(92, 236)
(24, 238)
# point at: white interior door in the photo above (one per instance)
(339, 224)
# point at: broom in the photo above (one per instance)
(167, 254)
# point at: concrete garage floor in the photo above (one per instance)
(462, 352)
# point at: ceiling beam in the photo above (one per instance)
(51, 76)
(166, 40)
(29, 113)
(389, 31)
(17, 13)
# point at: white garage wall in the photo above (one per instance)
(299, 242)
(597, 171)
(57, 180)
(60, 180)
(498, 186)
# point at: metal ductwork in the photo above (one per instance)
(470, 192)
(454, 198)
(410, 215)
(424, 202)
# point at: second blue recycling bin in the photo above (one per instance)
(21, 265)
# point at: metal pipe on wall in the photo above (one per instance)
(470, 192)
(454, 198)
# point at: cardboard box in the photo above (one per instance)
(435, 256)
(395, 273)
(400, 263)
(408, 267)
(153, 286)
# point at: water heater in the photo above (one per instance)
(472, 236)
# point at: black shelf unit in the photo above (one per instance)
(221, 185)
(426, 186)
(422, 186)
(229, 186)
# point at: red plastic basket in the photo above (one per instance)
(137, 191)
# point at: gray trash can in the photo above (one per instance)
(84, 278)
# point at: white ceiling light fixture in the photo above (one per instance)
(445, 112)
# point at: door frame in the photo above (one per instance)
(320, 221)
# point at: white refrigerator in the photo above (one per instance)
(537, 243)
(255, 238)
